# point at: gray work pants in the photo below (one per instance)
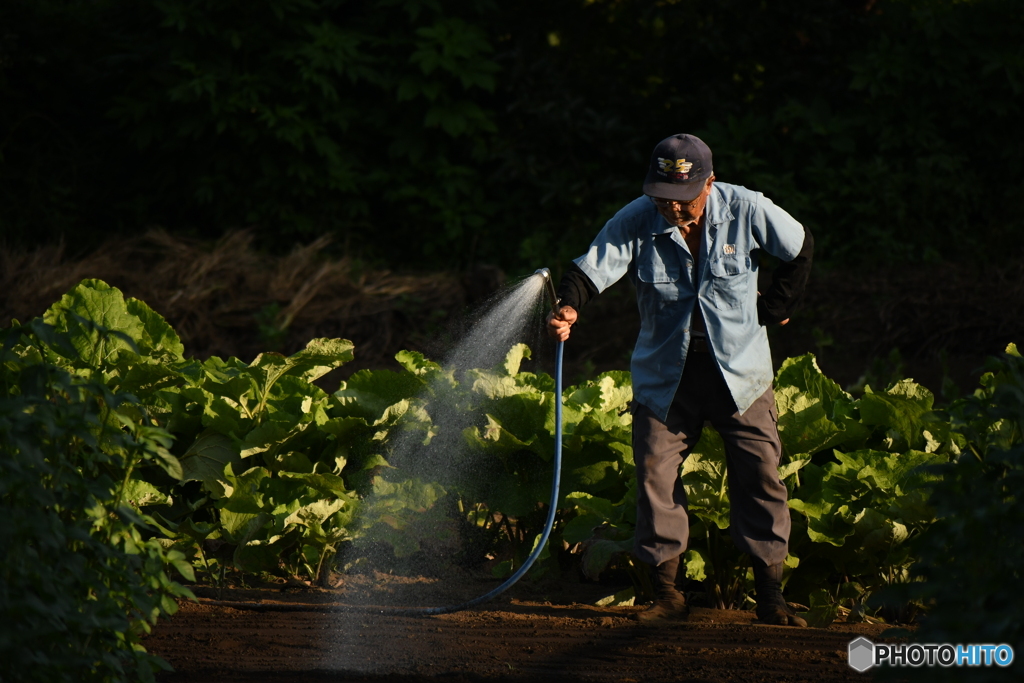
(759, 520)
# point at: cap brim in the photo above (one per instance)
(684, 192)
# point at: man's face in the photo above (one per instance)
(684, 215)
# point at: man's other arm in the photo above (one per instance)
(785, 294)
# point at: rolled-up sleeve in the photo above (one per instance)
(776, 231)
(611, 253)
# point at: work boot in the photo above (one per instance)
(771, 606)
(669, 603)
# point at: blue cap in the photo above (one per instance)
(679, 167)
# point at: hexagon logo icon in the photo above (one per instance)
(861, 654)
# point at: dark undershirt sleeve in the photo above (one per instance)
(786, 292)
(575, 289)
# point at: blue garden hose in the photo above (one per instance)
(555, 482)
(552, 509)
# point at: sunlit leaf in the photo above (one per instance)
(205, 459)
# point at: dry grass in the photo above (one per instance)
(228, 299)
(923, 309)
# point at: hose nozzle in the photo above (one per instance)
(550, 287)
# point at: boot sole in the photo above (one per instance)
(662, 618)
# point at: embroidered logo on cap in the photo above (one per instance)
(674, 165)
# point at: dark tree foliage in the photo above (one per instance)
(435, 133)
(887, 127)
(298, 116)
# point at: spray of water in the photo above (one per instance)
(430, 543)
(503, 325)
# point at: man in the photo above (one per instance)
(691, 247)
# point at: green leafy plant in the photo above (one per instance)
(968, 564)
(259, 480)
(859, 488)
(81, 576)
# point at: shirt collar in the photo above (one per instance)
(717, 209)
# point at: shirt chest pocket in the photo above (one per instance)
(659, 261)
(730, 280)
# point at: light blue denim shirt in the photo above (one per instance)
(638, 242)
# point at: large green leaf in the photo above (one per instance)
(594, 476)
(824, 507)
(610, 392)
(351, 435)
(518, 485)
(245, 491)
(901, 411)
(268, 434)
(592, 511)
(325, 483)
(409, 494)
(514, 359)
(241, 527)
(282, 496)
(877, 532)
(495, 385)
(320, 357)
(705, 475)
(206, 458)
(526, 417)
(369, 393)
(222, 371)
(274, 383)
(158, 338)
(789, 469)
(495, 439)
(824, 610)
(225, 415)
(88, 314)
(804, 426)
(315, 513)
(140, 493)
(696, 563)
(402, 513)
(298, 399)
(502, 381)
(803, 373)
(284, 462)
(415, 363)
(143, 379)
(815, 414)
(181, 409)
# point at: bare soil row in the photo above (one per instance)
(514, 639)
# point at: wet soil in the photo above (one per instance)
(264, 636)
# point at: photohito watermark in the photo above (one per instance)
(863, 654)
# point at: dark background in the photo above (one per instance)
(452, 136)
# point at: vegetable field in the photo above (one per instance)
(139, 471)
